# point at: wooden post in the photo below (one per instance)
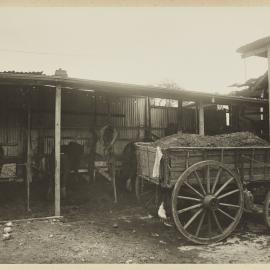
(57, 144)
(93, 144)
(145, 119)
(180, 116)
(29, 154)
(268, 61)
(149, 118)
(265, 122)
(111, 158)
(201, 119)
(196, 118)
(109, 116)
(235, 112)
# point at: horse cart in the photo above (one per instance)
(208, 187)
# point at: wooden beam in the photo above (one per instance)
(31, 219)
(196, 118)
(201, 119)
(36, 111)
(268, 61)
(95, 112)
(261, 52)
(57, 148)
(93, 145)
(120, 89)
(109, 116)
(29, 152)
(145, 118)
(265, 122)
(180, 116)
(149, 117)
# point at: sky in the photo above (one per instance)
(192, 47)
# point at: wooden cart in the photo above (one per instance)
(209, 187)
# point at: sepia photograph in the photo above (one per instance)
(135, 134)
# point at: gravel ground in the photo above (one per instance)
(98, 231)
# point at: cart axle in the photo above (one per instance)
(210, 202)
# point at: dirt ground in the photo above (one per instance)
(95, 230)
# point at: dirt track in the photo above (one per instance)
(97, 231)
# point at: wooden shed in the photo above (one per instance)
(260, 86)
(41, 112)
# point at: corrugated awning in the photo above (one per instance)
(122, 89)
(255, 48)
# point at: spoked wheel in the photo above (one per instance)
(207, 202)
(147, 194)
(267, 209)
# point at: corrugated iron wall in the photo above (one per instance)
(161, 117)
(11, 140)
(11, 125)
(81, 112)
(127, 115)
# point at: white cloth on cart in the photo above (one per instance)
(157, 162)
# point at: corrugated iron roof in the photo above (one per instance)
(123, 89)
(255, 46)
(22, 72)
(254, 87)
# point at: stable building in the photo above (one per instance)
(39, 113)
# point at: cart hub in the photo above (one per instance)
(210, 202)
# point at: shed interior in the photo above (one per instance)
(28, 115)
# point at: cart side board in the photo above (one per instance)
(249, 163)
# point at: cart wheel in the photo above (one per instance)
(207, 202)
(147, 194)
(266, 211)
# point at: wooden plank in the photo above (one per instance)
(187, 159)
(93, 145)
(213, 148)
(149, 117)
(114, 180)
(31, 219)
(57, 148)
(259, 177)
(196, 118)
(145, 118)
(180, 116)
(222, 155)
(109, 116)
(261, 52)
(148, 163)
(121, 89)
(201, 119)
(251, 164)
(268, 61)
(29, 154)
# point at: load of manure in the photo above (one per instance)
(237, 139)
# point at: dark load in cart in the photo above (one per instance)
(209, 187)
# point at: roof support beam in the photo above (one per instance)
(29, 151)
(201, 118)
(180, 116)
(57, 144)
(261, 52)
(268, 61)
